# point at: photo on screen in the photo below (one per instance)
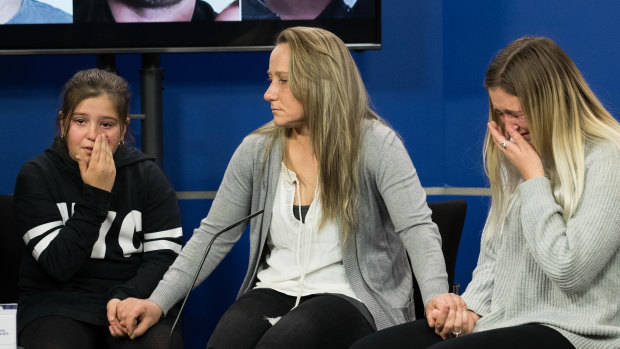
(36, 11)
(305, 10)
(137, 11)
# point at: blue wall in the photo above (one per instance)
(426, 81)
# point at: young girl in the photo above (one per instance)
(100, 221)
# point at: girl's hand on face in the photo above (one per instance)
(518, 151)
(100, 171)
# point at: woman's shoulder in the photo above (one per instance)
(255, 138)
(376, 128)
(381, 145)
(602, 150)
(602, 158)
(377, 134)
(249, 157)
(254, 144)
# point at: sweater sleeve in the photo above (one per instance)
(58, 243)
(161, 237)
(573, 253)
(405, 199)
(232, 202)
(478, 294)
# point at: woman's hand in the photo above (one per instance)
(138, 315)
(100, 171)
(447, 313)
(518, 151)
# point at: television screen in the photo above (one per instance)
(125, 26)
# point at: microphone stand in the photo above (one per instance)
(204, 258)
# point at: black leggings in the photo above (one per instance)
(320, 321)
(59, 332)
(417, 335)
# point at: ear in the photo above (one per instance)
(127, 120)
(62, 125)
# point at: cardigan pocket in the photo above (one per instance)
(403, 314)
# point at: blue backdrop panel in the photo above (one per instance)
(210, 300)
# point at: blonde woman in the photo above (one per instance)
(549, 266)
(344, 210)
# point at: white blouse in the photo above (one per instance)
(302, 259)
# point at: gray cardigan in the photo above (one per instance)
(563, 275)
(395, 221)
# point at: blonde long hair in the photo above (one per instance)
(562, 113)
(323, 77)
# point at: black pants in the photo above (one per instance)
(417, 335)
(320, 321)
(59, 332)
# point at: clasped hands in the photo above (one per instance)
(447, 313)
(132, 317)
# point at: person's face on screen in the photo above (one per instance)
(8, 9)
(92, 117)
(149, 3)
(287, 110)
(508, 108)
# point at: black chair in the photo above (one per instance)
(12, 249)
(450, 218)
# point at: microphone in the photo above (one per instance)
(204, 258)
